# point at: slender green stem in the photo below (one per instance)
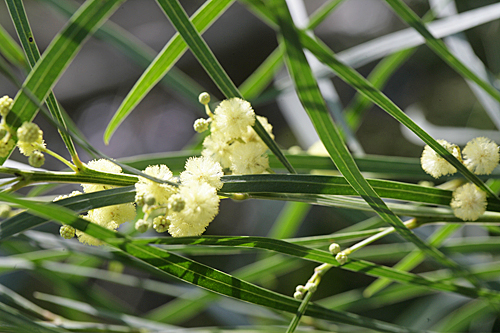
(59, 157)
(302, 308)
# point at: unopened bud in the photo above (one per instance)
(204, 98)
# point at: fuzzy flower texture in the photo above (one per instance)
(185, 208)
(481, 156)
(232, 141)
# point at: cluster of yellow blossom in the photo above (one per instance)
(232, 141)
(185, 210)
(29, 136)
(109, 217)
(480, 156)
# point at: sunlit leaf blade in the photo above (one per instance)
(413, 259)
(193, 272)
(80, 203)
(405, 13)
(10, 50)
(11, 320)
(363, 86)
(207, 59)
(138, 51)
(57, 57)
(18, 14)
(164, 61)
(314, 104)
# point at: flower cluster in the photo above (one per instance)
(29, 135)
(185, 210)
(232, 141)
(481, 156)
(110, 217)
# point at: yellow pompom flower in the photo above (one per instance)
(160, 191)
(434, 164)
(250, 135)
(202, 169)
(201, 206)
(30, 138)
(468, 202)
(217, 148)
(481, 156)
(232, 117)
(101, 165)
(248, 158)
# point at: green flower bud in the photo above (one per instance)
(176, 203)
(141, 226)
(36, 159)
(5, 211)
(204, 98)
(67, 231)
(201, 125)
(149, 200)
(161, 223)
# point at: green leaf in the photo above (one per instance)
(207, 59)
(18, 14)
(406, 14)
(320, 256)
(164, 61)
(138, 51)
(10, 50)
(57, 57)
(314, 104)
(363, 86)
(80, 203)
(194, 272)
(413, 259)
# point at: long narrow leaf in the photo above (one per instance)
(196, 273)
(18, 14)
(207, 59)
(57, 57)
(314, 104)
(164, 61)
(10, 50)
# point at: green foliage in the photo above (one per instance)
(367, 198)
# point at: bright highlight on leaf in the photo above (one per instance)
(143, 220)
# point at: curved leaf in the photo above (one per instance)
(56, 58)
(164, 61)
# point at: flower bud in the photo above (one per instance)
(141, 226)
(334, 248)
(204, 98)
(176, 203)
(5, 211)
(341, 257)
(298, 295)
(149, 200)
(201, 125)
(5, 105)
(67, 231)
(161, 223)
(36, 159)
